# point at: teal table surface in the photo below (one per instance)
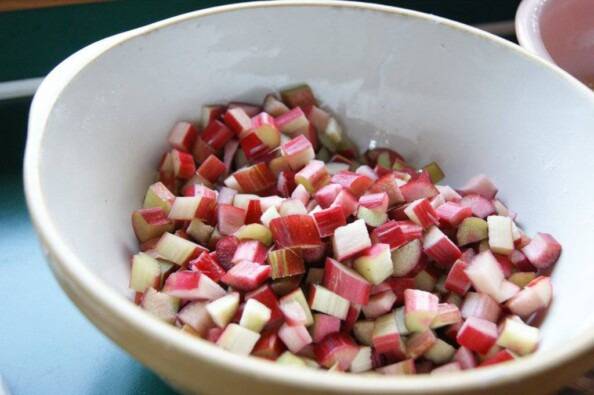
(46, 345)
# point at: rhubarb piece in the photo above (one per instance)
(518, 337)
(176, 249)
(212, 168)
(269, 346)
(226, 196)
(486, 275)
(225, 249)
(285, 285)
(268, 215)
(200, 206)
(435, 172)
(145, 272)
(323, 326)
(465, 358)
(325, 301)
(238, 120)
(207, 265)
(499, 357)
(295, 231)
(326, 195)
(300, 194)
(440, 248)
(253, 214)
(373, 208)
(255, 178)
(157, 195)
(294, 337)
(374, 263)
(480, 206)
(480, 185)
(457, 281)
(290, 359)
(387, 183)
(452, 213)
(285, 262)
(149, 223)
(252, 147)
(292, 207)
(192, 286)
(355, 183)
(379, 304)
(536, 295)
(199, 231)
(406, 258)
(298, 151)
(425, 280)
(521, 279)
(481, 306)
(336, 348)
(477, 335)
(250, 250)
(350, 240)
(246, 275)
(542, 251)
(210, 113)
(298, 96)
(500, 234)
(472, 230)
(346, 201)
(255, 232)
(390, 233)
(402, 368)
(294, 313)
(345, 282)
(440, 353)
(292, 122)
(216, 134)
(363, 331)
(447, 314)
(386, 339)
(422, 213)
(265, 296)
(229, 219)
(420, 308)
(419, 187)
(196, 316)
(328, 220)
(265, 128)
(183, 164)
(362, 361)
(298, 296)
(160, 305)
(367, 171)
(222, 310)
(238, 339)
(313, 176)
(419, 343)
(182, 136)
(249, 108)
(274, 106)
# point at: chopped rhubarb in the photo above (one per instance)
(427, 279)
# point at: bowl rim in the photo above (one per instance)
(85, 286)
(527, 23)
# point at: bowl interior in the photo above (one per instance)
(567, 31)
(427, 89)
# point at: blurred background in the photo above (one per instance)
(46, 345)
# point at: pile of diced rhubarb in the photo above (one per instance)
(269, 235)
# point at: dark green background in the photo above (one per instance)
(32, 42)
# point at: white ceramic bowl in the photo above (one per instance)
(431, 88)
(560, 31)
